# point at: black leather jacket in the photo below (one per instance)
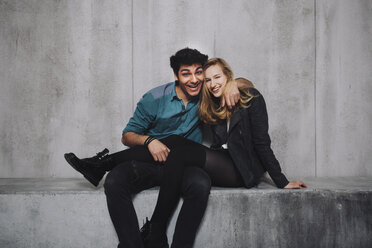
(249, 143)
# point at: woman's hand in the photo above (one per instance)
(295, 185)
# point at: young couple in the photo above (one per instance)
(165, 139)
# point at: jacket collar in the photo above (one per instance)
(221, 128)
(235, 118)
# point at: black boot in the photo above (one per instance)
(94, 168)
(154, 235)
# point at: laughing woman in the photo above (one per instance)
(238, 157)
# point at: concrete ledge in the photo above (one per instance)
(332, 212)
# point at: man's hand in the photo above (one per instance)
(231, 95)
(158, 150)
(295, 185)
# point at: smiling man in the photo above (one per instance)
(190, 79)
(171, 108)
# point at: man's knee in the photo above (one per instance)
(196, 183)
(119, 179)
(172, 139)
(175, 140)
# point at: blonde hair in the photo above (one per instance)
(210, 110)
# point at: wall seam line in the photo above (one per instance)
(315, 79)
(214, 33)
(132, 27)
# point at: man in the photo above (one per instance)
(163, 111)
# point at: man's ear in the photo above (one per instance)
(175, 77)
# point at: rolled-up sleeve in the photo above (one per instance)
(143, 116)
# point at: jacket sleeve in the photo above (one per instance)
(262, 142)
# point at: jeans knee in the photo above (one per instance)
(201, 188)
(175, 136)
(197, 183)
(118, 180)
(110, 183)
(175, 140)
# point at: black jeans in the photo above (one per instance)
(132, 177)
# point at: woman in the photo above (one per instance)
(238, 157)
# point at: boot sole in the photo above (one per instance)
(69, 158)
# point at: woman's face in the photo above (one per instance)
(215, 80)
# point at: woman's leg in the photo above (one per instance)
(221, 169)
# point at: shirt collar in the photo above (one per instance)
(174, 93)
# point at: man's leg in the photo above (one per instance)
(121, 183)
(195, 190)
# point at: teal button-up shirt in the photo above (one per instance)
(160, 113)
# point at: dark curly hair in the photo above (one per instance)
(187, 56)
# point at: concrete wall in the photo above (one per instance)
(71, 73)
(344, 87)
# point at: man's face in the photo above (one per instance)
(190, 79)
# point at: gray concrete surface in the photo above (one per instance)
(344, 87)
(275, 40)
(66, 80)
(331, 212)
(71, 73)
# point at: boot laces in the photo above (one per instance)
(103, 154)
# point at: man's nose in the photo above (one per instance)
(193, 79)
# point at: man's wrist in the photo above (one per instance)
(148, 140)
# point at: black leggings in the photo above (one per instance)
(217, 163)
